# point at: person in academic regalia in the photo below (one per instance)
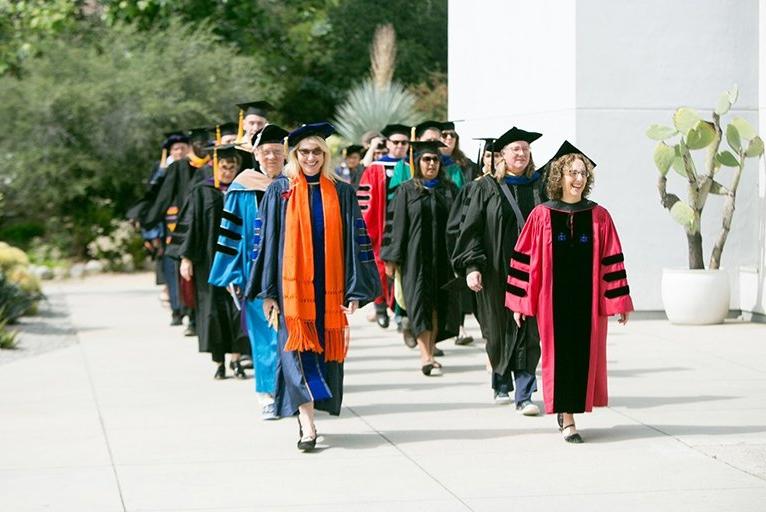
(453, 156)
(194, 243)
(313, 266)
(351, 169)
(180, 177)
(174, 147)
(567, 270)
(494, 218)
(253, 117)
(233, 257)
(418, 248)
(456, 218)
(377, 188)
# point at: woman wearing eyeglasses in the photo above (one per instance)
(567, 270)
(418, 248)
(453, 155)
(313, 266)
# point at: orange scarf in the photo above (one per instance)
(298, 273)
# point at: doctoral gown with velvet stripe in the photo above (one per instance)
(231, 266)
(376, 190)
(304, 377)
(419, 246)
(568, 271)
(195, 238)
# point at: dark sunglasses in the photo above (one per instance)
(429, 159)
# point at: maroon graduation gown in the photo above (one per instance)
(568, 271)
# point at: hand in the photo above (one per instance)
(473, 280)
(518, 318)
(352, 306)
(622, 318)
(237, 291)
(268, 305)
(391, 268)
(186, 269)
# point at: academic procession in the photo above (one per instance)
(469, 271)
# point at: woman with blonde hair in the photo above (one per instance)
(313, 266)
(568, 271)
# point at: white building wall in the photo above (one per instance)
(604, 70)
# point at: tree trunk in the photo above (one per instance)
(694, 241)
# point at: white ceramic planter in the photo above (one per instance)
(695, 297)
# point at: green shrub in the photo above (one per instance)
(7, 336)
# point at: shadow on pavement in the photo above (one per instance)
(645, 402)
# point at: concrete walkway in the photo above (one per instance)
(130, 419)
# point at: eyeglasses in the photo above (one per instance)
(306, 152)
(573, 174)
(449, 134)
(399, 142)
(429, 159)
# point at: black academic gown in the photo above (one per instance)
(456, 217)
(419, 246)
(195, 238)
(485, 243)
(180, 177)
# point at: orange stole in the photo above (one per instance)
(298, 273)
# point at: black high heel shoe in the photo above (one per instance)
(308, 444)
(220, 373)
(239, 371)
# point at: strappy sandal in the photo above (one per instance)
(571, 438)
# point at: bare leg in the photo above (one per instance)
(426, 348)
(569, 423)
(306, 418)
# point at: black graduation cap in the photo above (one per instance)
(427, 146)
(228, 128)
(568, 149)
(447, 125)
(427, 125)
(271, 134)
(224, 150)
(489, 145)
(353, 148)
(200, 133)
(392, 129)
(322, 129)
(258, 108)
(514, 135)
(174, 138)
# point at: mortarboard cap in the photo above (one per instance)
(228, 128)
(427, 146)
(514, 135)
(174, 138)
(567, 149)
(391, 129)
(200, 133)
(353, 148)
(271, 134)
(256, 108)
(323, 130)
(427, 125)
(448, 125)
(224, 150)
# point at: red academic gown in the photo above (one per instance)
(373, 201)
(568, 270)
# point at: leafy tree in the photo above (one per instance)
(84, 123)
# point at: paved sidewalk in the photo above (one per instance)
(130, 419)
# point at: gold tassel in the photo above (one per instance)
(164, 157)
(217, 134)
(216, 178)
(412, 153)
(241, 127)
(286, 146)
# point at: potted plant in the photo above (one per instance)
(700, 295)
